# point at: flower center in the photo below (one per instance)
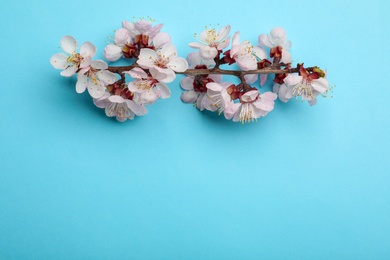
(246, 113)
(118, 109)
(146, 84)
(211, 37)
(303, 89)
(75, 58)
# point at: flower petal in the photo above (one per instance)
(86, 63)
(251, 78)
(231, 110)
(286, 56)
(260, 52)
(284, 94)
(142, 26)
(194, 59)
(112, 52)
(269, 96)
(195, 45)
(116, 99)
(263, 79)
(138, 109)
(137, 73)
(223, 33)
(59, 61)
(277, 36)
(81, 84)
(200, 101)
(214, 86)
(187, 83)
(148, 97)
(250, 96)
(130, 27)
(69, 44)
(321, 85)
(161, 39)
(292, 80)
(163, 90)
(189, 96)
(102, 102)
(147, 58)
(165, 75)
(155, 30)
(107, 77)
(87, 49)
(136, 86)
(207, 52)
(223, 44)
(70, 71)
(122, 37)
(168, 51)
(234, 50)
(99, 64)
(178, 64)
(216, 77)
(96, 89)
(264, 41)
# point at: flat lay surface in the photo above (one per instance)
(301, 183)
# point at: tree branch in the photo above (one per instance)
(216, 70)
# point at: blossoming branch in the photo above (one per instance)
(154, 63)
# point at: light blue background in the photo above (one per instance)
(302, 183)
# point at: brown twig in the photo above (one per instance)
(216, 70)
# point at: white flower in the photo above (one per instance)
(283, 91)
(148, 88)
(308, 87)
(212, 42)
(94, 77)
(72, 61)
(276, 38)
(214, 95)
(246, 56)
(142, 27)
(120, 107)
(162, 63)
(197, 90)
(194, 60)
(252, 106)
(114, 52)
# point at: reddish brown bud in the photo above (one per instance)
(201, 66)
(227, 59)
(279, 78)
(263, 64)
(144, 39)
(129, 51)
(276, 52)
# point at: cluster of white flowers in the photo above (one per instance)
(155, 63)
(244, 102)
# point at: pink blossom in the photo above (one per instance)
(211, 42)
(142, 27)
(94, 77)
(252, 106)
(148, 88)
(162, 63)
(119, 107)
(277, 37)
(72, 61)
(196, 91)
